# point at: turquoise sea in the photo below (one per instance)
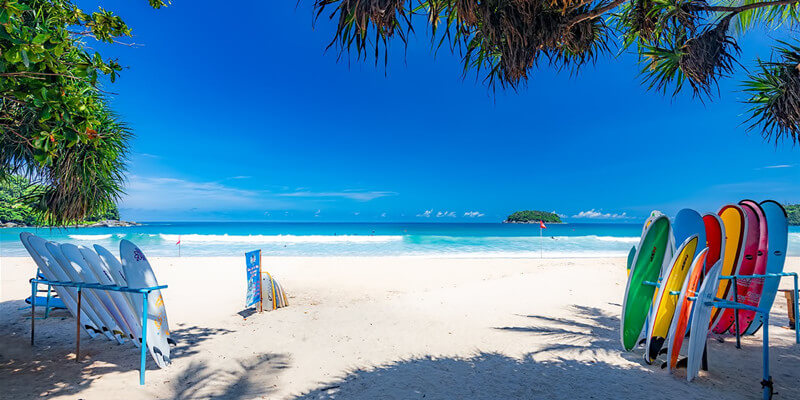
(358, 239)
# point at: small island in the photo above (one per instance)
(793, 214)
(532, 217)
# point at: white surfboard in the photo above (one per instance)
(701, 317)
(67, 294)
(118, 275)
(73, 254)
(42, 248)
(104, 276)
(89, 295)
(139, 274)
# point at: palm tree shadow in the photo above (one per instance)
(592, 330)
(244, 381)
(584, 360)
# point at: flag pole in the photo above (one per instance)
(541, 242)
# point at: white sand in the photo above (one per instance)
(370, 328)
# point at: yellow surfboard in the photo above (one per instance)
(735, 229)
(665, 303)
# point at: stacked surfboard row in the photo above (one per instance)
(272, 293)
(681, 260)
(115, 315)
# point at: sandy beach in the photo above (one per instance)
(383, 327)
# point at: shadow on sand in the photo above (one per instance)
(579, 358)
(51, 362)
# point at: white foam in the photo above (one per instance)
(90, 237)
(284, 239)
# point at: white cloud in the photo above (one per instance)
(473, 214)
(357, 213)
(425, 214)
(779, 166)
(165, 193)
(383, 215)
(451, 214)
(593, 214)
(357, 195)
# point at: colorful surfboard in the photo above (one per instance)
(754, 286)
(680, 322)
(665, 303)
(715, 239)
(701, 315)
(735, 230)
(748, 264)
(778, 236)
(652, 250)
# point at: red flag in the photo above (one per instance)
(541, 224)
(179, 240)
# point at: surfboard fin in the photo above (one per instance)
(171, 341)
(682, 363)
(663, 351)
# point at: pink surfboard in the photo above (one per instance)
(752, 294)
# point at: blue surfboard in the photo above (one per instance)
(778, 236)
(689, 222)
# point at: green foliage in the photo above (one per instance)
(55, 125)
(677, 41)
(17, 203)
(533, 216)
(793, 213)
(775, 95)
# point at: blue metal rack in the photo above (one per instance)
(766, 383)
(82, 285)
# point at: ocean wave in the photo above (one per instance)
(90, 237)
(283, 239)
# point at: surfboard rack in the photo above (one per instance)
(766, 382)
(83, 285)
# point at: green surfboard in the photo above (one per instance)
(646, 267)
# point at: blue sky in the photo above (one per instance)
(241, 114)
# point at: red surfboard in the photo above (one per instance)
(749, 253)
(753, 293)
(715, 239)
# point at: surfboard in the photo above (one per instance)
(686, 223)
(109, 326)
(715, 239)
(117, 273)
(631, 254)
(664, 303)
(700, 321)
(778, 236)
(748, 264)
(73, 254)
(120, 301)
(680, 322)
(139, 274)
(651, 252)
(754, 286)
(735, 230)
(67, 294)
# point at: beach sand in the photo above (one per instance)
(387, 327)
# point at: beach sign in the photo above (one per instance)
(253, 263)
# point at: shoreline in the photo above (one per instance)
(370, 327)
